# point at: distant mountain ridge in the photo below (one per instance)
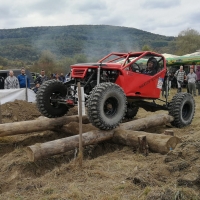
(91, 40)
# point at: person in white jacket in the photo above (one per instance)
(192, 78)
(11, 82)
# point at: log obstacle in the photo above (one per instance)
(139, 124)
(119, 135)
(159, 143)
(40, 124)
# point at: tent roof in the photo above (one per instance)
(167, 55)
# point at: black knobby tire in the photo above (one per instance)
(106, 106)
(48, 91)
(182, 108)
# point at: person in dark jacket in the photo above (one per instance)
(23, 79)
(151, 67)
(35, 89)
(1, 82)
(62, 77)
(198, 79)
(41, 78)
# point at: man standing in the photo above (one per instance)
(180, 77)
(23, 79)
(41, 78)
(62, 77)
(191, 78)
(1, 82)
(11, 82)
(198, 79)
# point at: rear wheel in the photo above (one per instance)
(182, 108)
(48, 95)
(106, 106)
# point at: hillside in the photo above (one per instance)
(92, 40)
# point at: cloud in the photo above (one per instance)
(161, 4)
(167, 17)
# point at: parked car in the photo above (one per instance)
(17, 72)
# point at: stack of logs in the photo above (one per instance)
(126, 134)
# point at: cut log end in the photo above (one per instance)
(30, 154)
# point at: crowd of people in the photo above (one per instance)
(42, 78)
(177, 79)
(180, 79)
(22, 80)
(13, 82)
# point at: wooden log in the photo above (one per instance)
(159, 143)
(40, 124)
(39, 151)
(147, 122)
(73, 128)
(138, 124)
(47, 149)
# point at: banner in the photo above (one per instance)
(9, 95)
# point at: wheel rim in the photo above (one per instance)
(186, 111)
(110, 107)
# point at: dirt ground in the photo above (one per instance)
(109, 172)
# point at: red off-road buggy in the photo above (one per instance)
(115, 87)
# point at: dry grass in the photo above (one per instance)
(118, 175)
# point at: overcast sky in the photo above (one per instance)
(164, 17)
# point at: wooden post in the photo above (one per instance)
(80, 154)
(26, 89)
(143, 146)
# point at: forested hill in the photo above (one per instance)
(91, 40)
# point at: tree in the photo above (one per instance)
(146, 48)
(47, 61)
(188, 41)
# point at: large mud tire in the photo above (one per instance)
(182, 108)
(47, 91)
(106, 106)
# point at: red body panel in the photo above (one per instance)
(141, 85)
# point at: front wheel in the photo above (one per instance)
(106, 106)
(182, 108)
(48, 97)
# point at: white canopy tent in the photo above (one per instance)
(167, 55)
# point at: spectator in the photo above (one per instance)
(170, 76)
(37, 85)
(52, 76)
(1, 82)
(198, 79)
(173, 80)
(191, 78)
(11, 82)
(180, 77)
(41, 78)
(23, 79)
(166, 83)
(57, 77)
(62, 77)
(68, 77)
